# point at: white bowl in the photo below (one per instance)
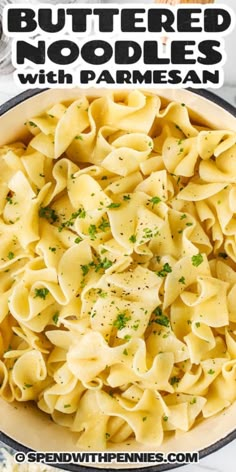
(23, 426)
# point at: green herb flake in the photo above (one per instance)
(144, 418)
(78, 240)
(133, 238)
(79, 137)
(41, 293)
(31, 123)
(48, 214)
(55, 317)
(193, 401)
(121, 320)
(52, 249)
(107, 435)
(183, 216)
(104, 225)
(26, 385)
(125, 352)
(174, 380)
(165, 270)
(126, 197)
(182, 280)
(9, 200)
(101, 293)
(67, 406)
(114, 205)
(161, 319)
(165, 418)
(103, 264)
(81, 213)
(197, 260)
(85, 269)
(10, 255)
(155, 201)
(198, 324)
(211, 372)
(92, 231)
(189, 224)
(127, 337)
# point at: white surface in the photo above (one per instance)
(221, 461)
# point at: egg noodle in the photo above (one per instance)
(117, 260)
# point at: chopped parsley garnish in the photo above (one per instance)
(26, 385)
(161, 319)
(107, 435)
(165, 270)
(155, 201)
(81, 213)
(165, 418)
(67, 406)
(103, 264)
(125, 352)
(55, 317)
(92, 231)
(41, 293)
(189, 224)
(121, 320)
(31, 123)
(78, 240)
(182, 280)
(85, 269)
(174, 380)
(197, 260)
(114, 205)
(9, 200)
(197, 324)
(104, 224)
(144, 418)
(126, 197)
(52, 249)
(79, 137)
(10, 255)
(211, 372)
(49, 214)
(132, 238)
(127, 337)
(183, 216)
(135, 326)
(193, 401)
(101, 293)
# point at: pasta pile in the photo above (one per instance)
(117, 260)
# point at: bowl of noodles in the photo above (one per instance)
(118, 272)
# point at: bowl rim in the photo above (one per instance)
(8, 441)
(21, 97)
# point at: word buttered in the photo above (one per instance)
(127, 20)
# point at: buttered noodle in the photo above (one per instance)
(117, 260)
